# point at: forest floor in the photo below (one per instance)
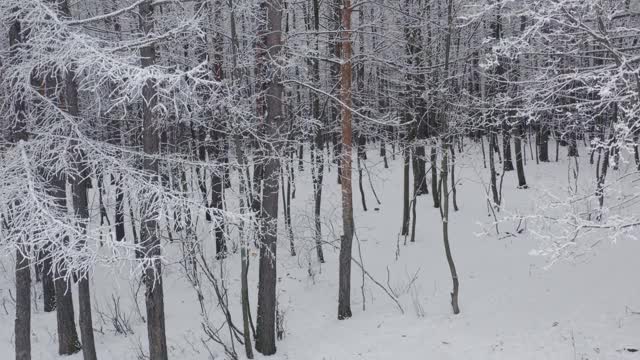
(513, 306)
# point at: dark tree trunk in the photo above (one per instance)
(517, 141)
(362, 196)
(484, 153)
(86, 323)
(149, 229)
(271, 40)
(405, 192)
(22, 324)
(22, 327)
(317, 197)
(217, 189)
(68, 342)
(48, 287)
(420, 171)
(383, 154)
(79, 185)
(454, 190)
(636, 155)
(300, 156)
(434, 177)
(492, 171)
(444, 194)
(573, 145)
(543, 135)
(119, 218)
(265, 331)
(286, 207)
(507, 165)
(344, 291)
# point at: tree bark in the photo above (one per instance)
(46, 272)
(445, 229)
(507, 165)
(420, 171)
(344, 291)
(266, 318)
(68, 342)
(149, 230)
(517, 141)
(434, 177)
(79, 185)
(405, 192)
(22, 324)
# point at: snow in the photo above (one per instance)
(513, 306)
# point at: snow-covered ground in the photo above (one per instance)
(512, 306)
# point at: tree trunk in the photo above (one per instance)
(420, 171)
(362, 196)
(79, 185)
(68, 342)
(543, 143)
(46, 272)
(383, 153)
(217, 189)
(317, 198)
(492, 172)
(454, 190)
(573, 145)
(445, 228)
(119, 218)
(266, 320)
(507, 165)
(344, 291)
(444, 191)
(22, 326)
(149, 231)
(317, 153)
(517, 141)
(434, 177)
(405, 192)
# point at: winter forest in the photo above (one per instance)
(319, 179)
